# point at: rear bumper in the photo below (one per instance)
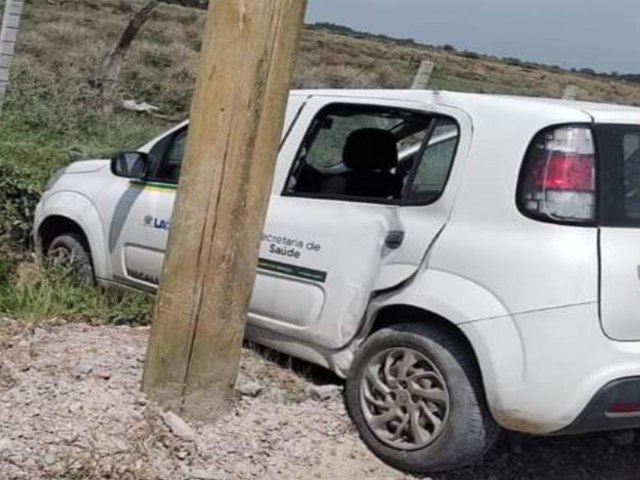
(616, 406)
(554, 371)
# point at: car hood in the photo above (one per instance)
(87, 166)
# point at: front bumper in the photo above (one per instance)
(37, 221)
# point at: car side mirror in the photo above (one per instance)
(132, 165)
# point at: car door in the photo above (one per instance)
(619, 218)
(141, 218)
(138, 212)
(355, 213)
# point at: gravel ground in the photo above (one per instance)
(70, 408)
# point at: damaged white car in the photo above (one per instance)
(464, 261)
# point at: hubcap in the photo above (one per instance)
(61, 257)
(63, 260)
(404, 398)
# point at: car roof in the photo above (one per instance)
(599, 112)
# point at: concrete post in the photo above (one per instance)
(8, 37)
(423, 77)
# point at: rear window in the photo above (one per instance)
(619, 149)
(558, 181)
(434, 164)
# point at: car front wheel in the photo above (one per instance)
(415, 395)
(68, 252)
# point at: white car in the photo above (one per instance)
(464, 261)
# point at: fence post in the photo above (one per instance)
(423, 76)
(8, 37)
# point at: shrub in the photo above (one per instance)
(7, 267)
(472, 55)
(18, 200)
(513, 61)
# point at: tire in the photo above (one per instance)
(70, 252)
(443, 379)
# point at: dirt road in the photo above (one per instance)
(70, 409)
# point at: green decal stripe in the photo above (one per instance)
(293, 270)
(153, 185)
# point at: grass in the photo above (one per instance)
(54, 295)
(53, 112)
(26, 141)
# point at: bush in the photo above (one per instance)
(472, 55)
(588, 71)
(513, 61)
(18, 200)
(7, 268)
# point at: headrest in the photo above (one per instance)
(370, 149)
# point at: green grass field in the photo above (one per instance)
(53, 112)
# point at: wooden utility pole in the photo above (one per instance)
(8, 37)
(237, 115)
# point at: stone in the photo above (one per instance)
(179, 427)
(6, 445)
(82, 370)
(249, 389)
(199, 474)
(323, 392)
(103, 374)
(182, 454)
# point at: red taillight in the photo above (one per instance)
(564, 171)
(621, 408)
(559, 181)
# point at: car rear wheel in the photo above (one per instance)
(415, 395)
(70, 254)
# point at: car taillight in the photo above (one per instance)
(559, 177)
(624, 409)
(561, 171)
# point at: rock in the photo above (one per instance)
(39, 332)
(182, 454)
(249, 389)
(82, 370)
(178, 426)
(103, 374)
(323, 392)
(136, 417)
(206, 475)
(6, 445)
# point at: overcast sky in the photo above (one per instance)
(600, 34)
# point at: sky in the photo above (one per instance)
(599, 34)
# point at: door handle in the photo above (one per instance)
(394, 239)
